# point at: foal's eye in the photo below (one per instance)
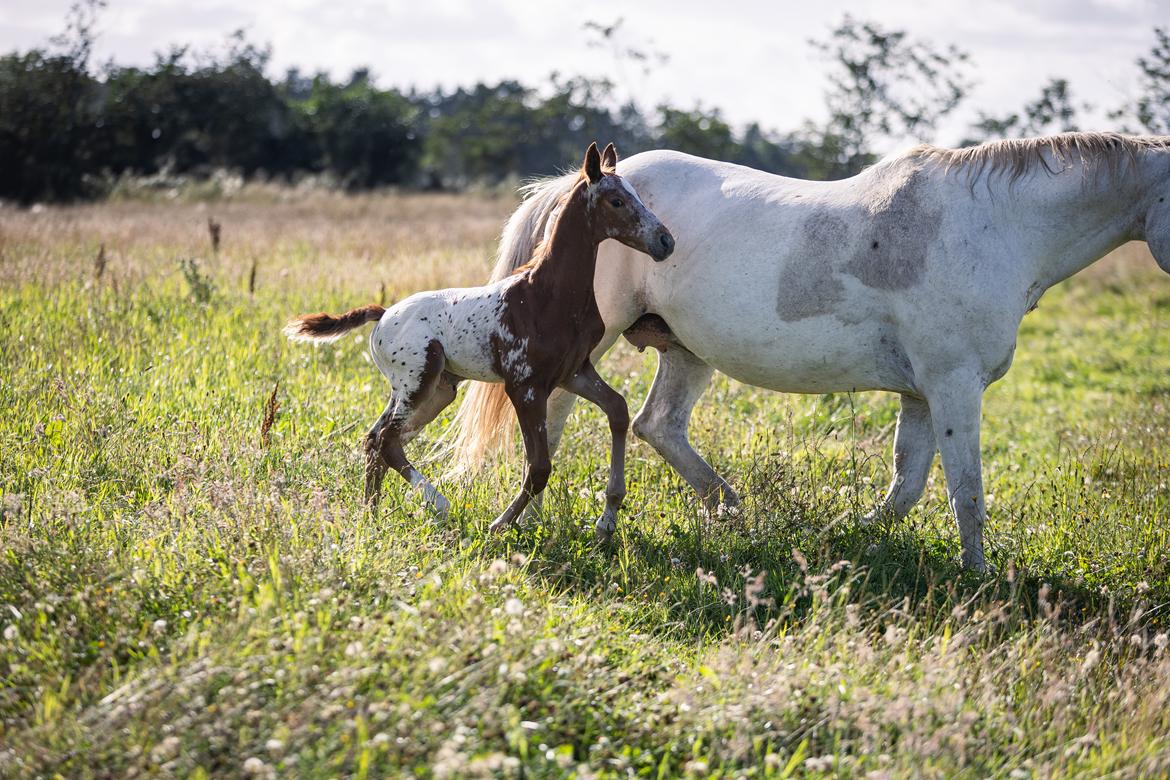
(617, 203)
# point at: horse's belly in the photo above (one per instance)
(819, 355)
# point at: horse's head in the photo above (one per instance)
(616, 210)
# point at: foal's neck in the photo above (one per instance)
(565, 269)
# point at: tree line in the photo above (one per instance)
(68, 128)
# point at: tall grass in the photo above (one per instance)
(190, 586)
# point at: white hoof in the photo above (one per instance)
(437, 502)
(605, 527)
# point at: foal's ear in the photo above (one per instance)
(609, 157)
(592, 165)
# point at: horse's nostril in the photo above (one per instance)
(666, 241)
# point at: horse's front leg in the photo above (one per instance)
(955, 408)
(588, 384)
(530, 404)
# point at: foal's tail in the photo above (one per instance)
(483, 423)
(326, 327)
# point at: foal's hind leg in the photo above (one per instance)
(409, 411)
(663, 420)
(588, 384)
(391, 420)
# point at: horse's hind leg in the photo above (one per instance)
(663, 420)
(914, 450)
(590, 386)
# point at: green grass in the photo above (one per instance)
(177, 599)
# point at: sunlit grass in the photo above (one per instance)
(176, 598)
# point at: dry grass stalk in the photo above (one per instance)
(271, 407)
(99, 263)
(252, 277)
(214, 229)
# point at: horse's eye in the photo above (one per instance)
(616, 203)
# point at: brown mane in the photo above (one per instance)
(1113, 152)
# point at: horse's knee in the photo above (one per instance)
(538, 474)
(647, 425)
(619, 419)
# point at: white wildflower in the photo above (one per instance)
(165, 750)
(254, 766)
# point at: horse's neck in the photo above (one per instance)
(1078, 216)
(565, 272)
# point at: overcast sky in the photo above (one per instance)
(751, 59)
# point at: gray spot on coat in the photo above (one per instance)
(808, 284)
(900, 230)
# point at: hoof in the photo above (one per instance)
(499, 525)
(441, 507)
(604, 528)
(979, 566)
(722, 501)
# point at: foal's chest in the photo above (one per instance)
(551, 335)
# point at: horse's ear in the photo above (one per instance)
(592, 165)
(609, 157)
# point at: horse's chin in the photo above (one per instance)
(1160, 249)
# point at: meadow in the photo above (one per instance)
(191, 587)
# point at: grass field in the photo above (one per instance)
(184, 595)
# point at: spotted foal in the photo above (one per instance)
(532, 331)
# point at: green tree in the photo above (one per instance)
(49, 107)
(195, 112)
(883, 84)
(1153, 107)
(366, 136)
(1054, 111)
(700, 132)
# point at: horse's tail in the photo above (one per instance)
(483, 423)
(326, 327)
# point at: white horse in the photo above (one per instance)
(910, 277)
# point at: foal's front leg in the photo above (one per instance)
(531, 409)
(588, 384)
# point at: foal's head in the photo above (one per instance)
(615, 210)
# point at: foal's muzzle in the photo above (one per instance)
(662, 246)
